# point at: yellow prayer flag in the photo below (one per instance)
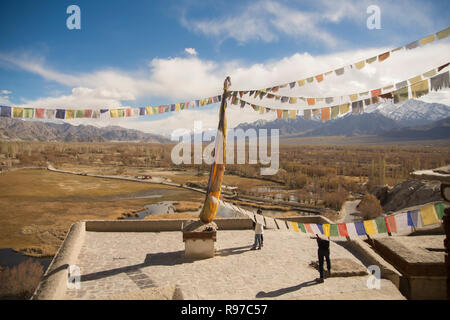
(17, 112)
(419, 89)
(369, 225)
(292, 114)
(70, 114)
(360, 64)
(311, 79)
(326, 229)
(261, 110)
(443, 34)
(177, 107)
(148, 110)
(426, 40)
(344, 108)
(428, 214)
(114, 113)
(301, 82)
(353, 97)
(415, 79)
(292, 100)
(294, 226)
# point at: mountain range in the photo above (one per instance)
(16, 129)
(412, 119)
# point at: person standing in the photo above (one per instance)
(259, 230)
(262, 234)
(323, 252)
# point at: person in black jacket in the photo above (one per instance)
(323, 252)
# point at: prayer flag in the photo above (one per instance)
(351, 230)
(301, 226)
(439, 208)
(292, 100)
(401, 221)
(325, 115)
(28, 113)
(412, 45)
(96, 114)
(334, 112)
(359, 65)
(311, 101)
(381, 225)
(443, 34)
(70, 114)
(17, 112)
(308, 228)
(307, 114)
(440, 81)
(60, 113)
(391, 226)
(344, 108)
(415, 79)
(292, 84)
(353, 97)
(114, 113)
(400, 85)
(429, 73)
(292, 114)
(339, 71)
(376, 92)
(87, 113)
(294, 226)
(142, 111)
(148, 110)
(359, 226)
(285, 114)
(401, 95)
(370, 60)
(315, 111)
(369, 226)
(329, 100)
(383, 56)
(311, 79)
(279, 114)
(419, 89)
(342, 227)
(334, 232)
(427, 40)
(319, 77)
(50, 114)
(414, 219)
(5, 112)
(284, 99)
(161, 109)
(121, 113)
(79, 113)
(326, 229)
(301, 82)
(428, 214)
(315, 228)
(39, 113)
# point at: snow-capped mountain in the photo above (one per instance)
(412, 112)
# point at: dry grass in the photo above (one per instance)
(20, 281)
(183, 206)
(39, 206)
(262, 206)
(172, 216)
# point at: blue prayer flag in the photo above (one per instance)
(360, 230)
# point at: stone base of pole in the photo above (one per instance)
(199, 239)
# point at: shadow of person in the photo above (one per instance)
(235, 250)
(280, 292)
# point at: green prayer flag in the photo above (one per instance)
(334, 112)
(121, 113)
(334, 231)
(381, 225)
(79, 114)
(439, 207)
(28, 112)
(301, 226)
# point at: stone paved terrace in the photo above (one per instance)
(116, 263)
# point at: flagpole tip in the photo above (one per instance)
(227, 83)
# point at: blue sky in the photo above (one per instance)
(139, 53)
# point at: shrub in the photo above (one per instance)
(370, 207)
(19, 282)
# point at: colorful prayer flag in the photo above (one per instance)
(428, 214)
(369, 226)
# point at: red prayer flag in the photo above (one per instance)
(391, 224)
(319, 77)
(311, 101)
(376, 92)
(342, 229)
(279, 114)
(39, 113)
(161, 109)
(87, 113)
(308, 228)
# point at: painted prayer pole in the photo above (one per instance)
(211, 204)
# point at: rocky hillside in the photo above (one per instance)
(15, 129)
(407, 194)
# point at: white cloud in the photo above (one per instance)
(6, 92)
(191, 51)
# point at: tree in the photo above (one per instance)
(370, 207)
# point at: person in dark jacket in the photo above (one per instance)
(323, 252)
